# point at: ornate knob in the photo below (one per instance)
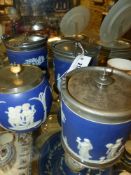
(104, 78)
(15, 68)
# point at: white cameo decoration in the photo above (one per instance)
(42, 99)
(112, 150)
(63, 116)
(84, 148)
(35, 61)
(22, 117)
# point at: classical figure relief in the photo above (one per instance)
(21, 116)
(113, 149)
(84, 148)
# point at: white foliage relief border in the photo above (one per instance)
(42, 99)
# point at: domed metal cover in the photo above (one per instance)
(98, 93)
(24, 42)
(26, 78)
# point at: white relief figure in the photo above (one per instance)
(27, 114)
(58, 81)
(84, 148)
(42, 99)
(63, 118)
(113, 148)
(14, 116)
(22, 117)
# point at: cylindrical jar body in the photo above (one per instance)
(30, 49)
(96, 115)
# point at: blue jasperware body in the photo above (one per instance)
(28, 49)
(92, 142)
(61, 66)
(96, 120)
(36, 57)
(25, 111)
(65, 51)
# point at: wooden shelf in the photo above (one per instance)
(4, 6)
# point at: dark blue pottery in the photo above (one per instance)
(92, 135)
(60, 67)
(27, 49)
(65, 51)
(36, 57)
(94, 129)
(24, 108)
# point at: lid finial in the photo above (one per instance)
(104, 78)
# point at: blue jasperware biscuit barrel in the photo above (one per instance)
(96, 115)
(27, 49)
(65, 51)
(25, 98)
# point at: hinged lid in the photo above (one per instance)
(75, 20)
(19, 78)
(103, 93)
(68, 48)
(24, 42)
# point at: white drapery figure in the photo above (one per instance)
(28, 112)
(14, 114)
(84, 148)
(113, 148)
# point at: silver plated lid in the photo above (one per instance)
(19, 78)
(66, 48)
(24, 42)
(98, 93)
